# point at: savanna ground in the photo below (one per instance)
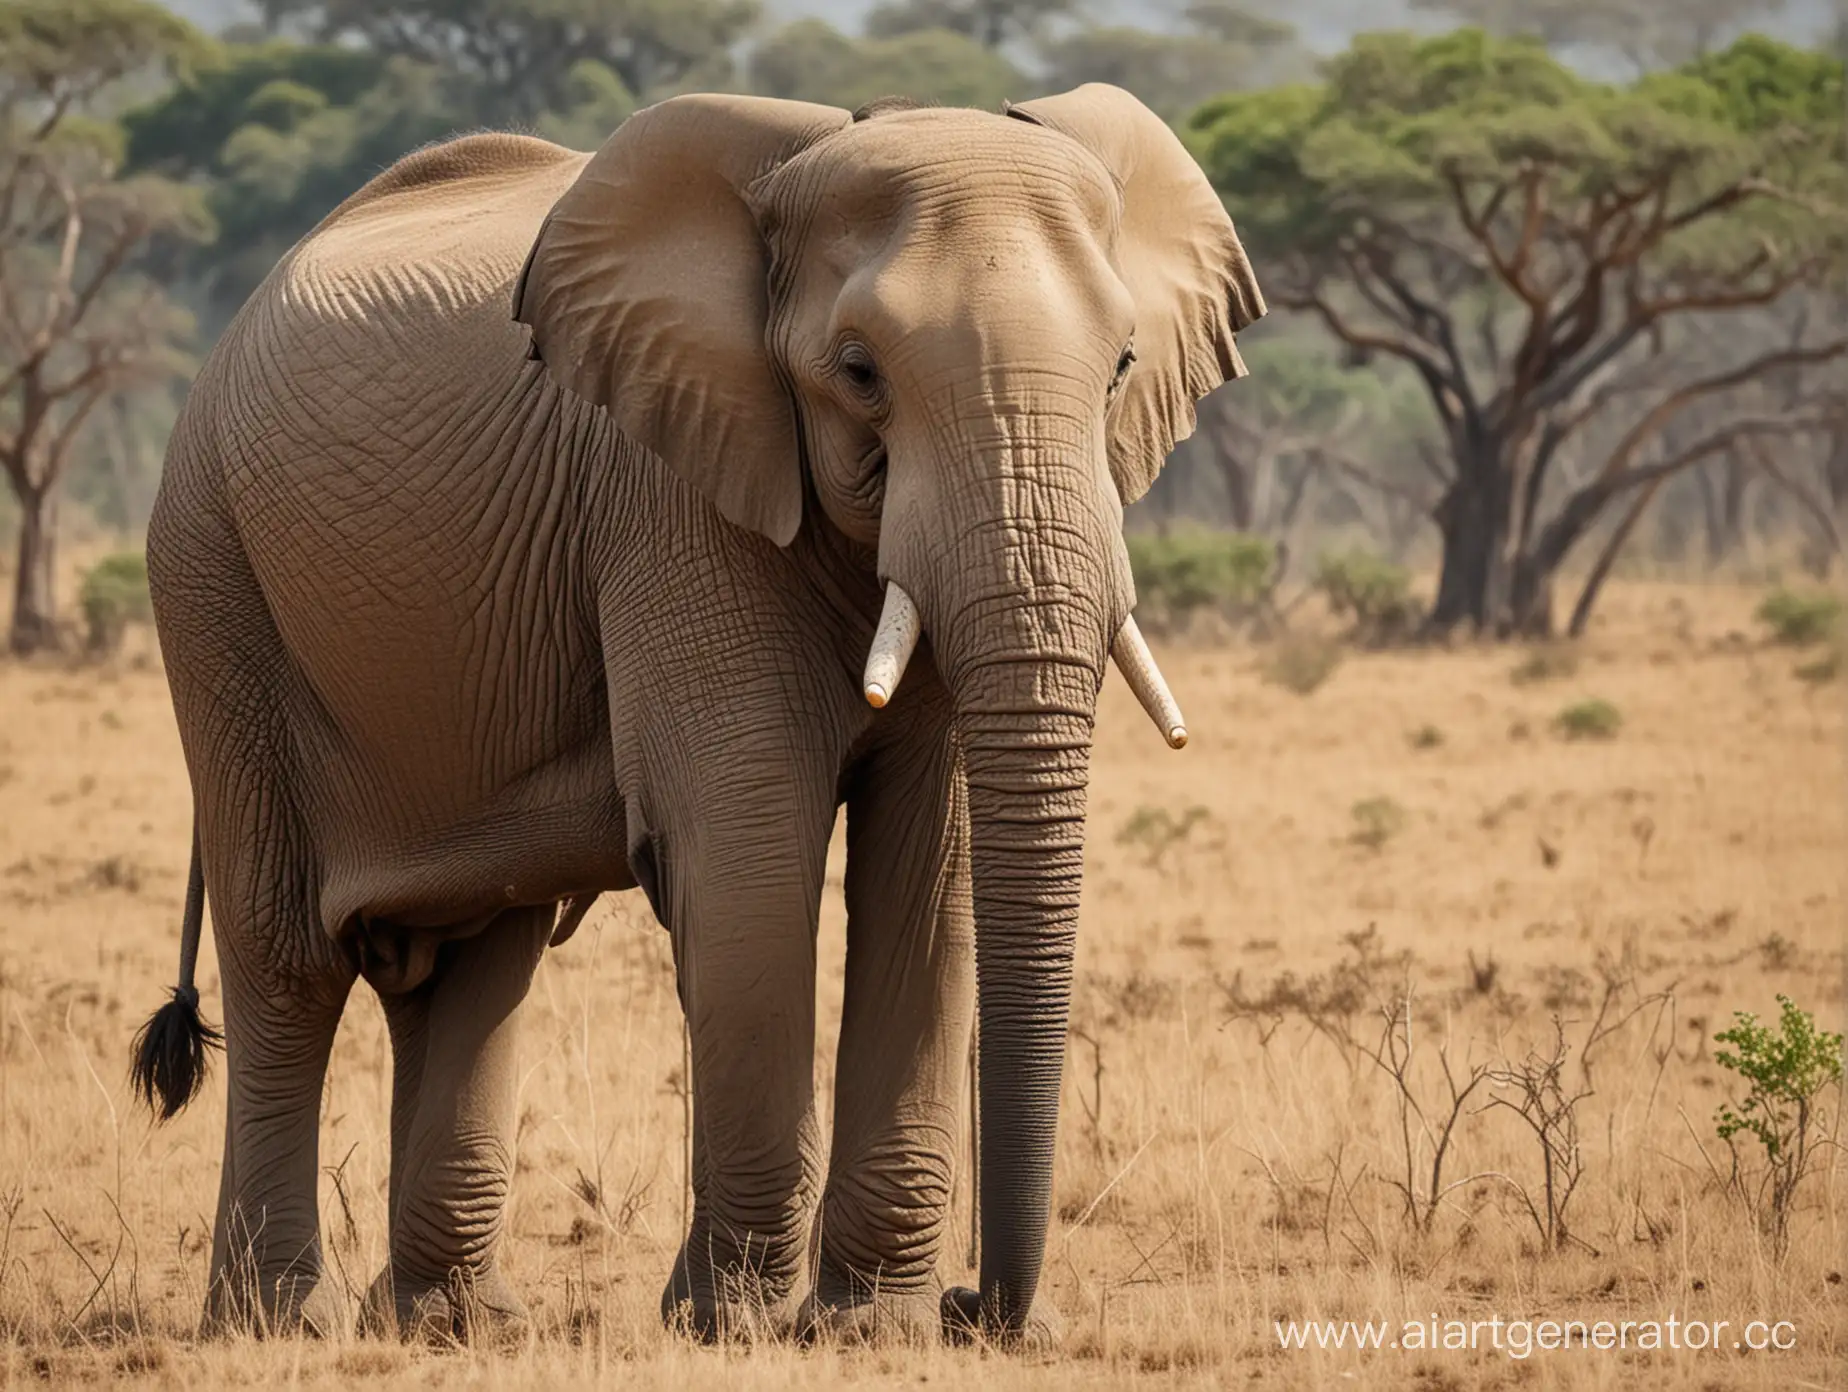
(1229, 1153)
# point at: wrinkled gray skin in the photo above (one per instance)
(467, 614)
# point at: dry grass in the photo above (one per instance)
(1230, 1153)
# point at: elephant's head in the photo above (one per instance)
(968, 339)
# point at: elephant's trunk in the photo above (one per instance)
(1026, 735)
(1022, 629)
(1017, 571)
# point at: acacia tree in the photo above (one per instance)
(80, 321)
(1524, 240)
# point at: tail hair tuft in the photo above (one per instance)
(169, 1054)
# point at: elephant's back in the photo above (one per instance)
(478, 160)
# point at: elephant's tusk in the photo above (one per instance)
(1137, 664)
(893, 644)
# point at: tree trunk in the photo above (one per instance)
(1466, 524)
(1238, 491)
(1298, 491)
(34, 601)
(1712, 522)
(1723, 500)
(1835, 472)
(1601, 569)
(1232, 451)
(1485, 580)
(1530, 598)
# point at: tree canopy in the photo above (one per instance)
(1649, 33)
(1520, 236)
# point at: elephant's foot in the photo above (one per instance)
(1043, 1330)
(745, 1312)
(850, 1313)
(293, 1303)
(733, 1303)
(478, 1308)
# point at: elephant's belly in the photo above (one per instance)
(451, 879)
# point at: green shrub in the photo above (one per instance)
(1301, 662)
(1787, 1072)
(1425, 737)
(113, 596)
(1800, 620)
(1156, 831)
(1370, 590)
(1595, 718)
(1184, 572)
(1376, 821)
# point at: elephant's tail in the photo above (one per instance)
(169, 1062)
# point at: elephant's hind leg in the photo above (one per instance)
(903, 1044)
(454, 1096)
(279, 1030)
(284, 983)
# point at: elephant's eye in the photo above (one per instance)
(1122, 367)
(856, 365)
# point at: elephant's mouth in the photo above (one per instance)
(900, 626)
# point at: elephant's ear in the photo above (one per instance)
(1182, 261)
(646, 291)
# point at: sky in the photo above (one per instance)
(1325, 25)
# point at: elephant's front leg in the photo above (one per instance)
(453, 1111)
(904, 1039)
(741, 895)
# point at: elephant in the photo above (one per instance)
(552, 524)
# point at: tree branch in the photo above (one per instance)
(1510, 269)
(1653, 421)
(1343, 463)
(1756, 452)
(1443, 396)
(1562, 385)
(1583, 508)
(1425, 319)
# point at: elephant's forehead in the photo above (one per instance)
(949, 164)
